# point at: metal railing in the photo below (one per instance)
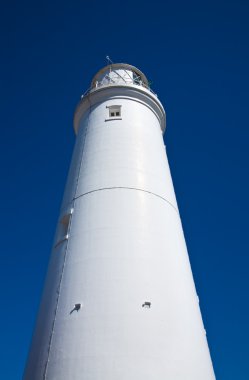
(131, 83)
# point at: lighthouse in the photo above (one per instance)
(119, 301)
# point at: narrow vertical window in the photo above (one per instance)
(63, 228)
(64, 225)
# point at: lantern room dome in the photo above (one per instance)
(119, 74)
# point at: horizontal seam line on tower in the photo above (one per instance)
(127, 188)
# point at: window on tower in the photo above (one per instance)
(63, 228)
(64, 224)
(114, 111)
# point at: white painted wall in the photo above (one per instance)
(125, 247)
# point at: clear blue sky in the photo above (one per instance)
(196, 54)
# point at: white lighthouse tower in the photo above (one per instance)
(119, 301)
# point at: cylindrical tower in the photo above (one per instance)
(119, 301)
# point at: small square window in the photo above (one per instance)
(114, 111)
